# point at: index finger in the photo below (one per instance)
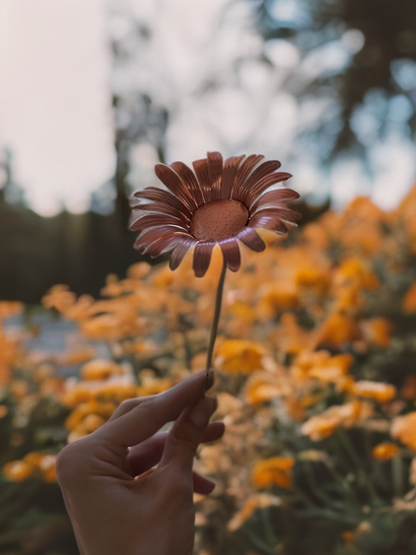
(145, 419)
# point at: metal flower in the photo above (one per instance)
(219, 202)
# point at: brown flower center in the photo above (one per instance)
(218, 220)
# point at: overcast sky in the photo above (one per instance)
(55, 98)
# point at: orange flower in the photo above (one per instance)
(297, 404)
(322, 366)
(347, 415)
(289, 336)
(319, 427)
(276, 296)
(337, 330)
(385, 451)
(257, 501)
(238, 355)
(381, 392)
(17, 471)
(262, 387)
(100, 369)
(409, 302)
(355, 271)
(403, 428)
(376, 331)
(78, 356)
(78, 415)
(333, 369)
(48, 468)
(274, 471)
(348, 537)
(154, 386)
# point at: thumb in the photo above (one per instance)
(187, 433)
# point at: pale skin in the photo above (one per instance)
(130, 491)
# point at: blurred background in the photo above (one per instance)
(93, 94)
(316, 354)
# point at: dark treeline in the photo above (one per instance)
(77, 250)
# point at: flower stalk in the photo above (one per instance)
(215, 321)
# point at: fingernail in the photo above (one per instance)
(211, 379)
(202, 411)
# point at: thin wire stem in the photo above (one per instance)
(214, 328)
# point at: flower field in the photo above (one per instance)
(316, 382)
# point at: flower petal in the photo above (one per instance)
(231, 252)
(153, 193)
(258, 174)
(147, 237)
(188, 177)
(174, 183)
(164, 244)
(243, 172)
(273, 197)
(202, 257)
(181, 249)
(215, 164)
(229, 174)
(162, 208)
(156, 220)
(282, 213)
(264, 184)
(202, 173)
(268, 222)
(252, 239)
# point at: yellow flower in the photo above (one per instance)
(238, 355)
(274, 471)
(385, 451)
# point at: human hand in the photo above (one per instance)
(117, 501)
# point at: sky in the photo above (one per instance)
(56, 79)
(55, 103)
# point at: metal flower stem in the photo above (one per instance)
(214, 328)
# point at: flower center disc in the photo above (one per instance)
(219, 220)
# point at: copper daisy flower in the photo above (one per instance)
(220, 202)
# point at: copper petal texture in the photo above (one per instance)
(220, 201)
